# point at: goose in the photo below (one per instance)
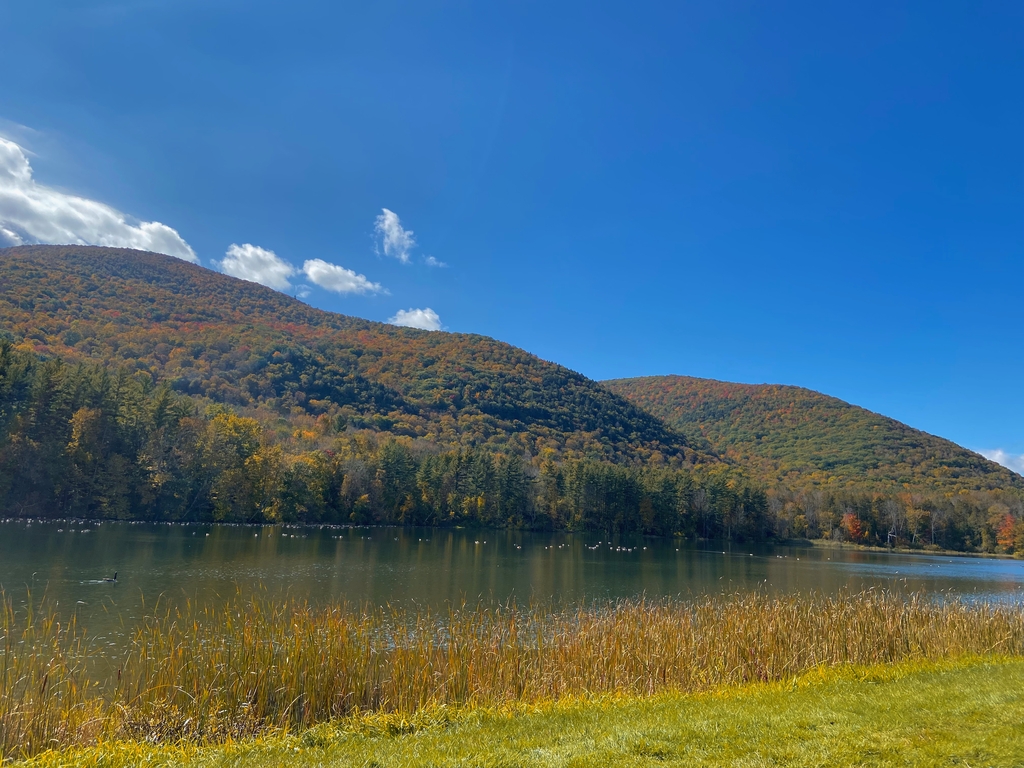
(111, 580)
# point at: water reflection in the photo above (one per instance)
(433, 566)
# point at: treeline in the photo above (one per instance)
(968, 521)
(82, 441)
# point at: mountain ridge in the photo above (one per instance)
(137, 386)
(795, 436)
(246, 345)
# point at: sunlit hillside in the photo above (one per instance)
(234, 342)
(805, 439)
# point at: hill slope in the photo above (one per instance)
(134, 385)
(805, 439)
(239, 343)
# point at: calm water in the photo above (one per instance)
(432, 566)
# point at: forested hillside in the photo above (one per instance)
(834, 471)
(134, 385)
(803, 439)
(236, 343)
(82, 441)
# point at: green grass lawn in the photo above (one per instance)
(968, 713)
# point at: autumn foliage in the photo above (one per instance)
(134, 385)
(806, 440)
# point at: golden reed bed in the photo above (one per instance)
(252, 665)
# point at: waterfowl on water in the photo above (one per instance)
(111, 580)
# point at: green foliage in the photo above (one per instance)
(802, 439)
(209, 674)
(79, 441)
(839, 472)
(963, 713)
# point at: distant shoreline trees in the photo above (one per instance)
(82, 441)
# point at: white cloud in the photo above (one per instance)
(258, 265)
(395, 240)
(338, 279)
(430, 261)
(1008, 460)
(250, 262)
(425, 319)
(33, 213)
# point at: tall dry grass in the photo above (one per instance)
(250, 665)
(46, 700)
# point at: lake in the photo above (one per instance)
(428, 567)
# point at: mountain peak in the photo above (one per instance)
(238, 343)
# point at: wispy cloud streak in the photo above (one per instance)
(395, 240)
(31, 212)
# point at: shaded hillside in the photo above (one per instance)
(211, 336)
(805, 439)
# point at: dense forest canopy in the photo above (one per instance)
(240, 344)
(805, 440)
(836, 471)
(134, 385)
(82, 441)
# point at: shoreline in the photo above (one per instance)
(851, 547)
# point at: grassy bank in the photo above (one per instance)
(255, 667)
(970, 712)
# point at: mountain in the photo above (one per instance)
(804, 439)
(237, 343)
(138, 386)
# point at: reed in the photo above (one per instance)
(45, 699)
(202, 673)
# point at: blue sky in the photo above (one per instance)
(829, 195)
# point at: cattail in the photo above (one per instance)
(252, 665)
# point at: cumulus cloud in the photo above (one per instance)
(258, 265)
(395, 240)
(338, 279)
(33, 213)
(425, 319)
(1008, 460)
(430, 261)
